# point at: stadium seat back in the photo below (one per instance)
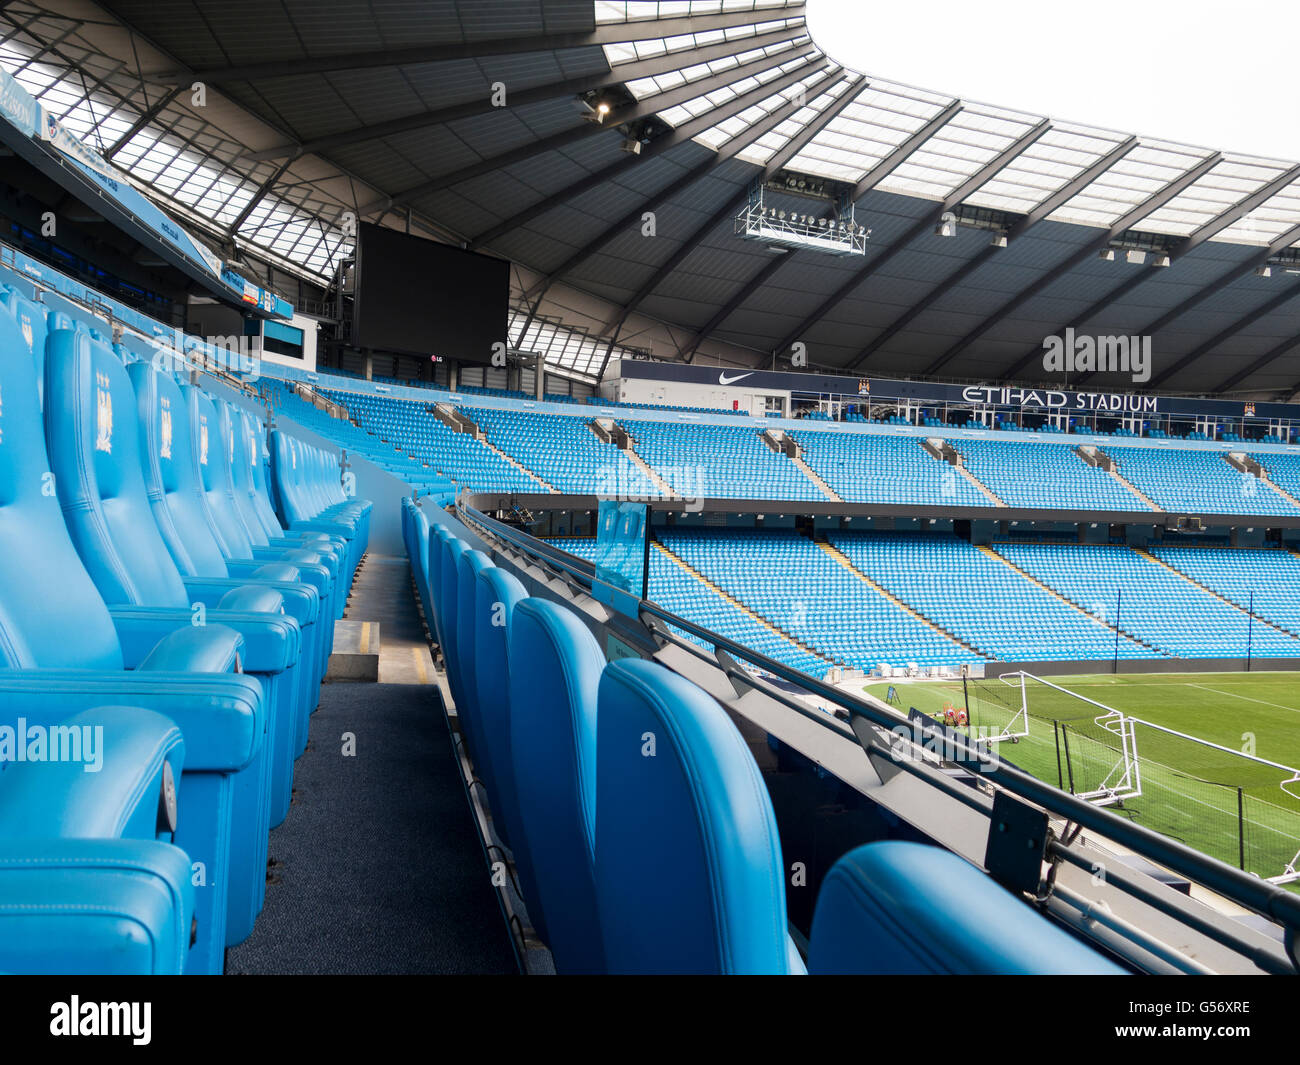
(39, 563)
(212, 455)
(449, 566)
(689, 874)
(94, 442)
(496, 595)
(470, 564)
(32, 324)
(901, 908)
(171, 476)
(555, 675)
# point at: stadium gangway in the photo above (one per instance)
(878, 732)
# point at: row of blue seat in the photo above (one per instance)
(168, 585)
(639, 823)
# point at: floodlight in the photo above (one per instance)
(1136, 256)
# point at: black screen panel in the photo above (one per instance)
(418, 297)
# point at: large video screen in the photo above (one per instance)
(418, 297)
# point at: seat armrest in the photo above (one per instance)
(94, 906)
(251, 598)
(140, 630)
(301, 601)
(329, 528)
(274, 571)
(309, 563)
(107, 773)
(271, 641)
(222, 717)
(206, 649)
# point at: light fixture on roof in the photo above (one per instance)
(595, 110)
(1135, 256)
(1106, 255)
(1264, 271)
(998, 240)
(947, 227)
(1161, 259)
(632, 145)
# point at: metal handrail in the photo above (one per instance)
(1253, 893)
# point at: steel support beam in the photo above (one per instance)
(145, 118)
(904, 151)
(680, 135)
(1236, 212)
(94, 87)
(727, 309)
(256, 198)
(1062, 195)
(643, 108)
(1150, 204)
(728, 150)
(1205, 292)
(605, 33)
(966, 188)
(788, 152)
(618, 75)
(1264, 309)
(1269, 357)
(1072, 188)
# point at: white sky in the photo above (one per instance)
(1211, 74)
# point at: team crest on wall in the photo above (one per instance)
(103, 414)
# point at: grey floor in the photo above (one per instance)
(378, 867)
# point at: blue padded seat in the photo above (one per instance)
(555, 674)
(45, 676)
(689, 872)
(352, 543)
(903, 908)
(94, 438)
(439, 538)
(104, 907)
(450, 550)
(213, 450)
(32, 319)
(172, 482)
(470, 565)
(497, 593)
(323, 553)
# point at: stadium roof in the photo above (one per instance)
(388, 108)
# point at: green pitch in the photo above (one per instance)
(1189, 791)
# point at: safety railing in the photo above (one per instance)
(879, 731)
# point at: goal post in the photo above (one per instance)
(997, 708)
(1237, 806)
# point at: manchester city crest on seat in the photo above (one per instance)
(103, 414)
(165, 447)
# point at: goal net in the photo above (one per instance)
(997, 708)
(1230, 804)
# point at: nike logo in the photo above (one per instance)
(723, 379)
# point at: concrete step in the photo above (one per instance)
(356, 651)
